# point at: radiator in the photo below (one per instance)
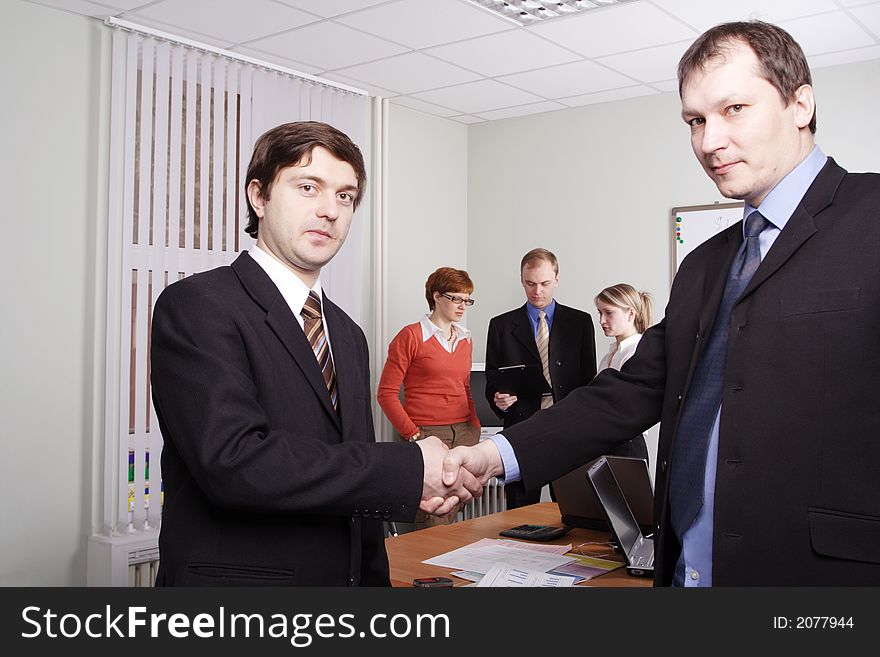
(130, 560)
(133, 560)
(491, 501)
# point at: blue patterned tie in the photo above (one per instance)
(705, 392)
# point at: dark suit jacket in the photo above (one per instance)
(571, 354)
(797, 494)
(264, 482)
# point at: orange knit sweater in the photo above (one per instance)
(436, 383)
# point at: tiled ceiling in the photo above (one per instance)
(452, 59)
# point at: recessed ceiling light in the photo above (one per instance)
(528, 12)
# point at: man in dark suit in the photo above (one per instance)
(515, 338)
(765, 371)
(262, 390)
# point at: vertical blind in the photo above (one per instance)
(183, 123)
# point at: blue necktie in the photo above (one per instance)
(705, 392)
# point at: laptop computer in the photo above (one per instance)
(638, 549)
(580, 507)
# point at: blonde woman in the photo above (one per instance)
(624, 314)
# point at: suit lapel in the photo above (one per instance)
(716, 278)
(344, 360)
(522, 331)
(280, 319)
(800, 226)
(798, 230)
(558, 332)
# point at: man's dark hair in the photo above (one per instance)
(291, 144)
(782, 60)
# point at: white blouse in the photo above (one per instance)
(620, 352)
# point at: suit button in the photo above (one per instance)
(351, 581)
(663, 465)
(387, 515)
(355, 514)
(377, 515)
(558, 362)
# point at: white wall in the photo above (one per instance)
(49, 71)
(595, 185)
(426, 214)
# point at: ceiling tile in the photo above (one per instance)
(827, 33)
(845, 57)
(328, 8)
(506, 52)
(415, 24)
(309, 44)
(399, 73)
(703, 15)
(422, 106)
(475, 97)
(568, 80)
(869, 16)
(607, 96)
(78, 7)
(230, 20)
(660, 63)
(179, 32)
(467, 118)
(615, 29)
(358, 84)
(275, 59)
(126, 5)
(522, 110)
(667, 86)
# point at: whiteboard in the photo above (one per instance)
(692, 225)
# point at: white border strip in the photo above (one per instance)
(134, 27)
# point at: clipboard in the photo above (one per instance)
(524, 381)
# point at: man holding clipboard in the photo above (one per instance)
(537, 353)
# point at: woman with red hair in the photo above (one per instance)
(432, 360)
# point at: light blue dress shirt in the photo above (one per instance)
(532, 312)
(694, 567)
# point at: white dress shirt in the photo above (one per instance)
(620, 352)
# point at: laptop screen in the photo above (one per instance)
(619, 515)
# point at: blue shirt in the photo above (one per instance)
(532, 312)
(696, 556)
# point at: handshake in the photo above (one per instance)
(454, 477)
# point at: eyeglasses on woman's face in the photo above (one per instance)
(458, 300)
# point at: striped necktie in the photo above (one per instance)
(313, 325)
(542, 338)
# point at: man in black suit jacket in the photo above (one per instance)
(270, 469)
(512, 341)
(790, 492)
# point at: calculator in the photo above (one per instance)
(535, 532)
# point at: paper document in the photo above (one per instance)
(522, 545)
(500, 575)
(481, 559)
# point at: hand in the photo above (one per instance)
(504, 401)
(440, 498)
(483, 461)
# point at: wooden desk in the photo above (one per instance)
(407, 551)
